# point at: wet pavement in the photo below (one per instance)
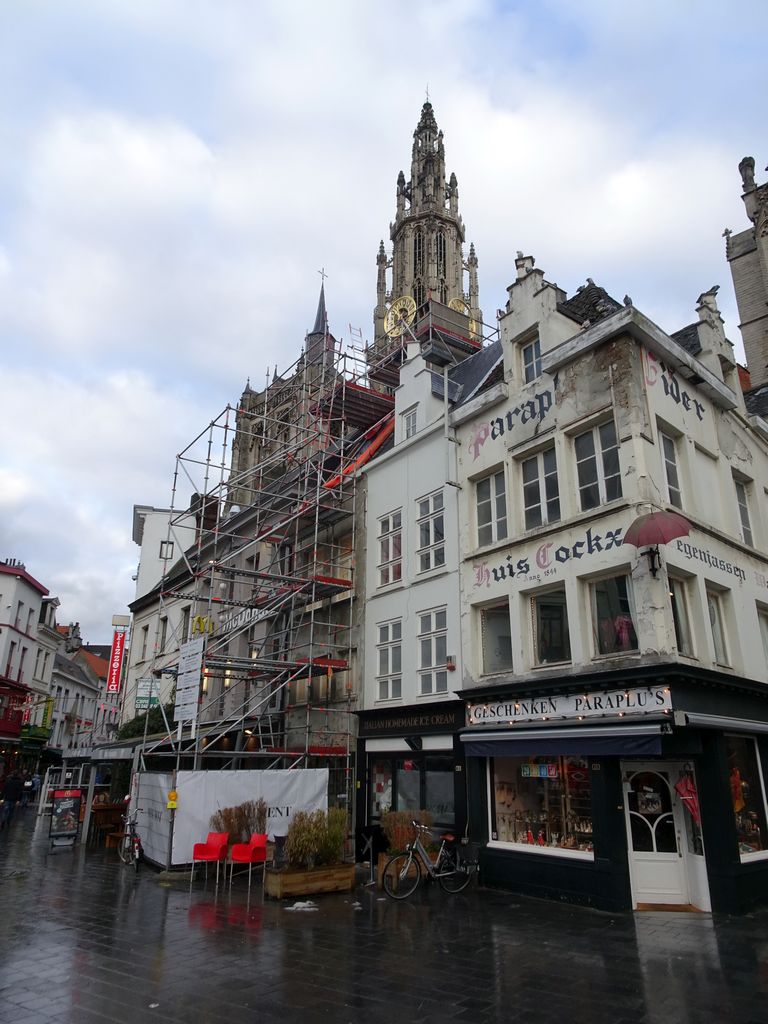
(84, 940)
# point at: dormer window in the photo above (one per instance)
(531, 360)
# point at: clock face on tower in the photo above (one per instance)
(400, 315)
(460, 306)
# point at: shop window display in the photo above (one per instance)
(413, 783)
(542, 803)
(747, 794)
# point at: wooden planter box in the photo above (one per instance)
(292, 882)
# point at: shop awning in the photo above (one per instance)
(577, 740)
(724, 722)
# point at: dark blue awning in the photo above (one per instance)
(573, 740)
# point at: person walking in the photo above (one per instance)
(35, 786)
(12, 792)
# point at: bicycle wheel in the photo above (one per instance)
(453, 873)
(125, 849)
(402, 874)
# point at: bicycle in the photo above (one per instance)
(129, 848)
(403, 871)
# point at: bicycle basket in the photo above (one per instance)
(469, 853)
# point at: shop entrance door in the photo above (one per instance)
(666, 858)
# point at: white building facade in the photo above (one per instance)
(617, 693)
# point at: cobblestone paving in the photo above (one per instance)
(84, 940)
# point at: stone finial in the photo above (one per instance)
(627, 300)
(707, 303)
(747, 172)
(524, 264)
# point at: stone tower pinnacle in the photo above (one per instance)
(427, 234)
(747, 253)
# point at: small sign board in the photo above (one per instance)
(145, 698)
(188, 680)
(65, 816)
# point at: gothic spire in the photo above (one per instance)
(320, 344)
(321, 320)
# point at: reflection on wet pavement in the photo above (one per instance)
(83, 939)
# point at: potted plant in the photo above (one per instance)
(313, 850)
(398, 831)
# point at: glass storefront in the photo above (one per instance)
(542, 803)
(747, 794)
(421, 782)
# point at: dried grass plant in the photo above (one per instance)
(241, 821)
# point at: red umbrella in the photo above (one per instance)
(656, 528)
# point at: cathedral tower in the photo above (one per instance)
(427, 236)
(747, 253)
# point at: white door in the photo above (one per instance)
(655, 834)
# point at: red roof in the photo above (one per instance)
(99, 665)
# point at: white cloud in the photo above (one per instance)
(175, 175)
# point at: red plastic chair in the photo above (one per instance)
(214, 849)
(250, 853)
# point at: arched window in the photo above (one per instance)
(440, 254)
(418, 253)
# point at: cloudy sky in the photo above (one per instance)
(173, 174)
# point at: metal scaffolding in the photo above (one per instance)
(270, 492)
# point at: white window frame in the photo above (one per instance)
(389, 568)
(389, 660)
(599, 455)
(163, 638)
(431, 525)
(668, 445)
(409, 422)
(491, 510)
(762, 621)
(432, 645)
(716, 616)
(166, 550)
(487, 636)
(547, 504)
(619, 626)
(741, 487)
(530, 355)
(679, 603)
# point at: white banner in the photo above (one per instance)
(149, 793)
(643, 700)
(202, 793)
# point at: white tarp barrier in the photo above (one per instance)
(149, 793)
(202, 793)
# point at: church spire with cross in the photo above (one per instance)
(320, 345)
(427, 235)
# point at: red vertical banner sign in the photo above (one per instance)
(116, 662)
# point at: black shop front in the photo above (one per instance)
(412, 759)
(621, 791)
